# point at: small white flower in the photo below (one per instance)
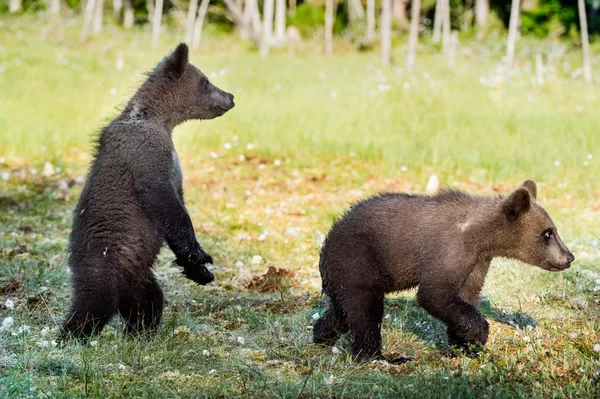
(5, 176)
(94, 343)
(42, 344)
(122, 366)
(242, 158)
(316, 316)
(113, 91)
(214, 155)
(556, 163)
(404, 168)
(277, 86)
(526, 338)
(277, 162)
(45, 331)
(335, 350)
(227, 146)
(205, 352)
(256, 260)
(212, 371)
(597, 347)
(9, 303)
(334, 94)
(329, 380)
(573, 335)
(529, 327)
(249, 146)
(589, 156)
(241, 340)
(239, 263)
(53, 342)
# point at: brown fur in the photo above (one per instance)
(443, 244)
(133, 202)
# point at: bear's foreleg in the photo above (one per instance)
(328, 329)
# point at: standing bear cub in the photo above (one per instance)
(132, 203)
(444, 244)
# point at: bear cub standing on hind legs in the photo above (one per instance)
(444, 244)
(132, 203)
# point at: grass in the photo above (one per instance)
(323, 132)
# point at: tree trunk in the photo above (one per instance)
(452, 49)
(415, 15)
(197, 33)
(88, 15)
(370, 20)
(446, 27)
(399, 12)
(329, 19)
(98, 15)
(438, 20)
(280, 21)
(267, 28)
(585, 42)
(128, 18)
(482, 10)
(150, 8)
(252, 16)
(355, 10)
(513, 26)
(190, 21)
(156, 21)
(386, 32)
(55, 7)
(238, 18)
(117, 7)
(292, 8)
(14, 6)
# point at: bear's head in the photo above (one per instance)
(177, 91)
(531, 235)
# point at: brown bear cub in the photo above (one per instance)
(442, 243)
(132, 203)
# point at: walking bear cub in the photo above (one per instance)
(133, 202)
(443, 244)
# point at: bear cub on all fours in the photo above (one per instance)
(132, 203)
(443, 244)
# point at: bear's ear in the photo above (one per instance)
(530, 186)
(176, 62)
(516, 204)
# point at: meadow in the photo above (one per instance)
(309, 135)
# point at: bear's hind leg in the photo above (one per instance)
(328, 329)
(142, 307)
(93, 306)
(364, 310)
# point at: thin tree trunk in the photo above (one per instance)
(415, 15)
(399, 12)
(238, 18)
(54, 7)
(156, 21)
(446, 27)
(355, 10)
(88, 15)
(14, 6)
(292, 8)
(195, 43)
(386, 32)
(252, 16)
(98, 15)
(482, 10)
(150, 8)
(280, 21)
(117, 7)
(585, 42)
(329, 19)
(438, 21)
(370, 20)
(267, 28)
(452, 49)
(513, 26)
(190, 21)
(128, 18)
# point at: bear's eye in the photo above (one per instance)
(205, 83)
(548, 234)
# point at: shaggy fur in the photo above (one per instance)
(133, 202)
(443, 244)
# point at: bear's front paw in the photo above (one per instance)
(198, 274)
(470, 338)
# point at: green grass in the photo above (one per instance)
(334, 149)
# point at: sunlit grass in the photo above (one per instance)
(309, 135)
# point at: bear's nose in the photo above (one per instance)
(570, 257)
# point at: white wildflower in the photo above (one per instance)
(556, 163)
(45, 331)
(335, 350)
(9, 303)
(404, 168)
(212, 371)
(597, 347)
(113, 91)
(94, 343)
(316, 316)
(329, 380)
(239, 263)
(205, 352)
(213, 155)
(277, 162)
(249, 146)
(526, 338)
(122, 366)
(256, 260)
(241, 340)
(227, 146)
